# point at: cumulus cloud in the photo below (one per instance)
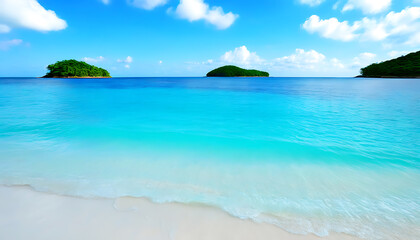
(311, 2)
(128, 59)
(93, 60)
(395, 53)
(403, 24)
(241, 56)
(147, 4)
(6, 45)
(310, 63)
(335, 63)
(398, 26)
(28, 14)
(368, 55)
(368, 6)
(302, 59)
(331, 28)
(194, 10)
(363, 59)
(300, 63)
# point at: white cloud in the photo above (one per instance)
(194, 10)
(311, 2)
(368, 55)
(300, 63)
(129, 59)
(6, 45)
(363, 59)
(147, 4)
(398, 26)
(331, 28)
(368, 6)
(29, 14)
(106, 2)
(310, 63)
(126, 60)
(4, 28)
(395, 53)
(372, 30)
(302, 59)
(93, 60)
(241, 56)
(404, 24)
(335, 63)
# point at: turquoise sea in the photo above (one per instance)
(310, 155)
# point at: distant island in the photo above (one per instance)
(233, 71)
(407, 66)
(75, 69)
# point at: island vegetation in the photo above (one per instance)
(233, 71)
(407, 66)
(75, 69)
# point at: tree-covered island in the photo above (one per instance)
(75, 69)
(407, 66)
(233, 71)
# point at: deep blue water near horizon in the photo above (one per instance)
(310, 155)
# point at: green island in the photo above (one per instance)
(233, 71)
(407, 66)
(75, 69)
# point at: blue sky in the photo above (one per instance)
(191, 37)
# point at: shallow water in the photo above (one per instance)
(311, 155)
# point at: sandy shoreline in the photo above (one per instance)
(27, 214)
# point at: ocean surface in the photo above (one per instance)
(310, 155)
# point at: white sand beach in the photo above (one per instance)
(27, 214)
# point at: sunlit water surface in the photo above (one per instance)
(310, 155)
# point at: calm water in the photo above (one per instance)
(310, 155)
